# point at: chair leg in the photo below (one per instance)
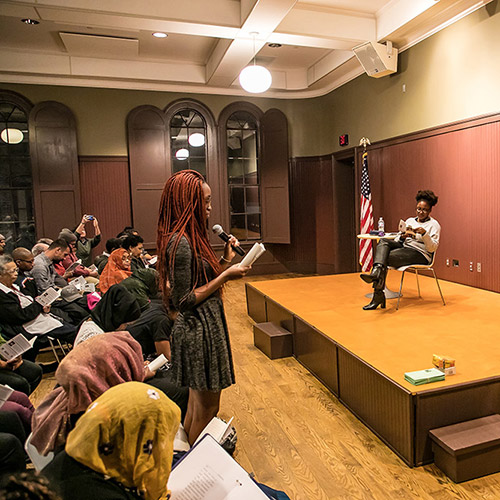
(418, 284)
(439, 287)
(63, 350)
(400, 290)
(54, 350)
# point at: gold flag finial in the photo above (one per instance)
(364, 141)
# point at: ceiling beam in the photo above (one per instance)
(328, 23)
(398, 13)
(227, 60)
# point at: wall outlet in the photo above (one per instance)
(447, 262)
(455, 263)
(478, 267)
(471, 266)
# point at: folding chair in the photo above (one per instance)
(417, 268)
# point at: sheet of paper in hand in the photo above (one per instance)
(50, 295)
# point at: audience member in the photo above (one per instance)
(116, 270)
(84, 374)
(152, 330)
(100, 447)
(22, 314)
(24, 261)
(113, 312)
(20, 374)
(85, 245)
(70, 259)
(26, 486)
(2, 244)
(27, 237)
(46, 276)
(134, 245)
(12, 438)
(101, 260)
(20, 403)
(39, 248)
(127, 230)
(43, 269)
(143, 284)
(45, 241)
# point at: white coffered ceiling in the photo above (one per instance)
(109, 43)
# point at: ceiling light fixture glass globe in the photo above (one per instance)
(255, 79)
(196, 140)
(182, 154)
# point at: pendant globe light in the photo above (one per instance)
(254, 78)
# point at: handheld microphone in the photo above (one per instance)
(217, 229)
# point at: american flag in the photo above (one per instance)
(365, 246)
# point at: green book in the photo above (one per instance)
(424, 376)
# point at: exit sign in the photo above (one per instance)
(343, 140)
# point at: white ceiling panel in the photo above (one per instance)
(110, 43)
(176, 47)
(107, 47)
(367, 6)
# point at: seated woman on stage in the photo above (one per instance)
(415, 246)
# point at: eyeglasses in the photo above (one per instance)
(28, 261)
(15, 270)
(425, 210)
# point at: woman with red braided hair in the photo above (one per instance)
(191, 277)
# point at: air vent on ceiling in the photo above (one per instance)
(79, 44)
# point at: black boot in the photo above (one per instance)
(378, 299)
(375, 275)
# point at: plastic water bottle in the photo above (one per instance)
(381, 225)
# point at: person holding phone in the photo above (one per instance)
(415, 245)
(85, 245)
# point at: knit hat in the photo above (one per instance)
(67, 235)
(70, 293)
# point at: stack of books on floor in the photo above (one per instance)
(424, 376)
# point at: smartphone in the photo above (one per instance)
(90, 217)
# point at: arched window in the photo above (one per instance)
(242, 138)
(188, 141)
(162, 143)
(17, 216)
(254, 172)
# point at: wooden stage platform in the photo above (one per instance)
(361, 356)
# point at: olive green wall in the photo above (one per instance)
(101, 114)
(450, 76)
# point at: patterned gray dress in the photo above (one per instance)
(201, 353)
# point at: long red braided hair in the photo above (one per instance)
(182, 213)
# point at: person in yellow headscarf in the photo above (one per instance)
(120, 448)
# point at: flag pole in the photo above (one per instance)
(366, 213)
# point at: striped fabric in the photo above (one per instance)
(365, 246)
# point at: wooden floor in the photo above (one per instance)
(295, 435)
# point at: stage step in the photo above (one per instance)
(469, 449)
(274, 341)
